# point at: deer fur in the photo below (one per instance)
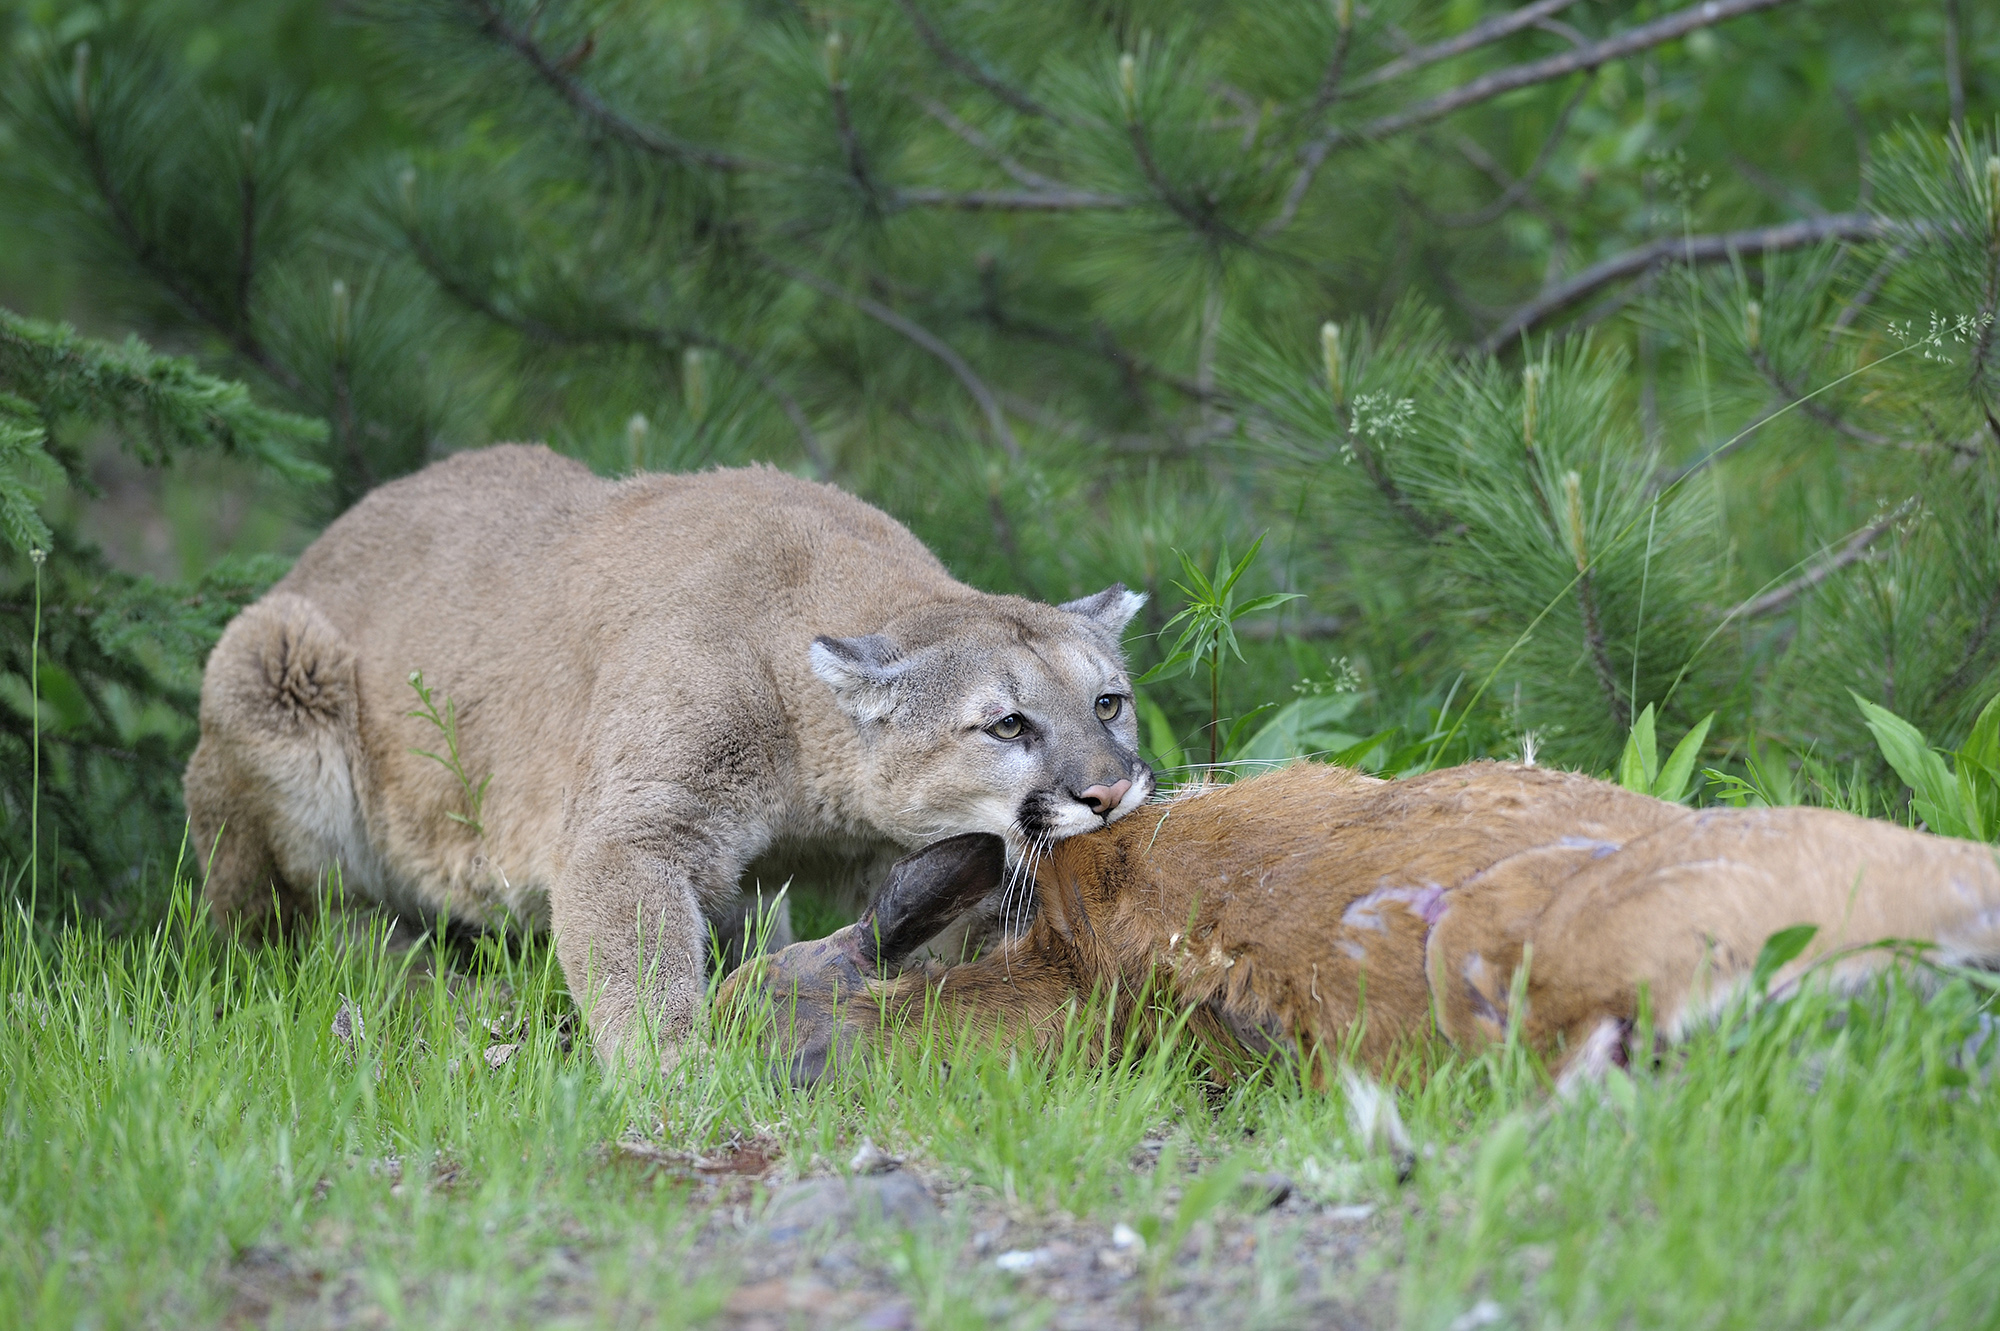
(1281, 911)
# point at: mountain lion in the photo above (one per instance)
(655, 682)
(1280, 910)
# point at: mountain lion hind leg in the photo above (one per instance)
(271, 799)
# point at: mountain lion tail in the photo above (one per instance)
(271, 789)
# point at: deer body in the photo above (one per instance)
(1283, 910)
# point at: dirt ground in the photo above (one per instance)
(903, 1247)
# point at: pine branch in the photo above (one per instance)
(1812, 406)
(666, 340)
(554, 72)
(1857, 545)
(1201, 219)
(1500, 81)
(1518, 189)
(1014, 97)
(996, 420)
(1687, 249)
(155, 265)
(1013, 201)
(941, 113)
(1474, 37)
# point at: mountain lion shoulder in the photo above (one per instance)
(660, 679)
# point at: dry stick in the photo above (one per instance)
(923, 337)
(1015, 98)
(1857, 546)
(1480, 34)
(1488, 86)
(1691, 249)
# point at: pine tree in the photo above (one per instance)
(1561, 350)
(91, 749)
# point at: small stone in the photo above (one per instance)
(1261, 1192)
(1124, 1236)
(347, 1025)
(896, 1198)
(1018, 1260)
(1483, 1313)
(887, 1317)
(871, 1159)
(498, 1054)
(1351, 1213)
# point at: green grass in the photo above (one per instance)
(172, 1106)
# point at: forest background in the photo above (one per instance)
(1569, 358)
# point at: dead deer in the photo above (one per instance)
(1279, 912)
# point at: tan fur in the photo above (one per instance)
(1284, 909)
(677, 684)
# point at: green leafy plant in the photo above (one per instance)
(1961, 800)
(1640, 769)
(1208, 633)
(1768, 780)
(446, 723)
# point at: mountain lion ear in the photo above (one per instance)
(1113, 607)
(862, 672)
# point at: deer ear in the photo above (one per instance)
(1113, 607)
(862, 672)
(927, 890)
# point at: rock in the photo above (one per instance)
(1023, 1259)
(871, 1159)
(1261, 1192)
(896, 1198)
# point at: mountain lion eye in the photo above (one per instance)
(1109, 706)
(1007, 727)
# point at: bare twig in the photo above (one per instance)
(1478, 35)
(1336, 68)
(941, 113)
(1812, 406)
(1857, 545)
(1954, 67)
(555, 71)
(996, 420)
(850, 142)
(1786, 195)
(1488, 86)
(1688, 249)
(1869, 290)
(1014, 97)
(1013, 201)
(1516, 190)
(1201, 218)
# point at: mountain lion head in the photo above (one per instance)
(1018, 723)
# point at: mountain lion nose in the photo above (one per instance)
(1103, 799)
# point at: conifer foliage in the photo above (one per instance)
(1573, 358)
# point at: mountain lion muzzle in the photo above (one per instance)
(674, 689)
